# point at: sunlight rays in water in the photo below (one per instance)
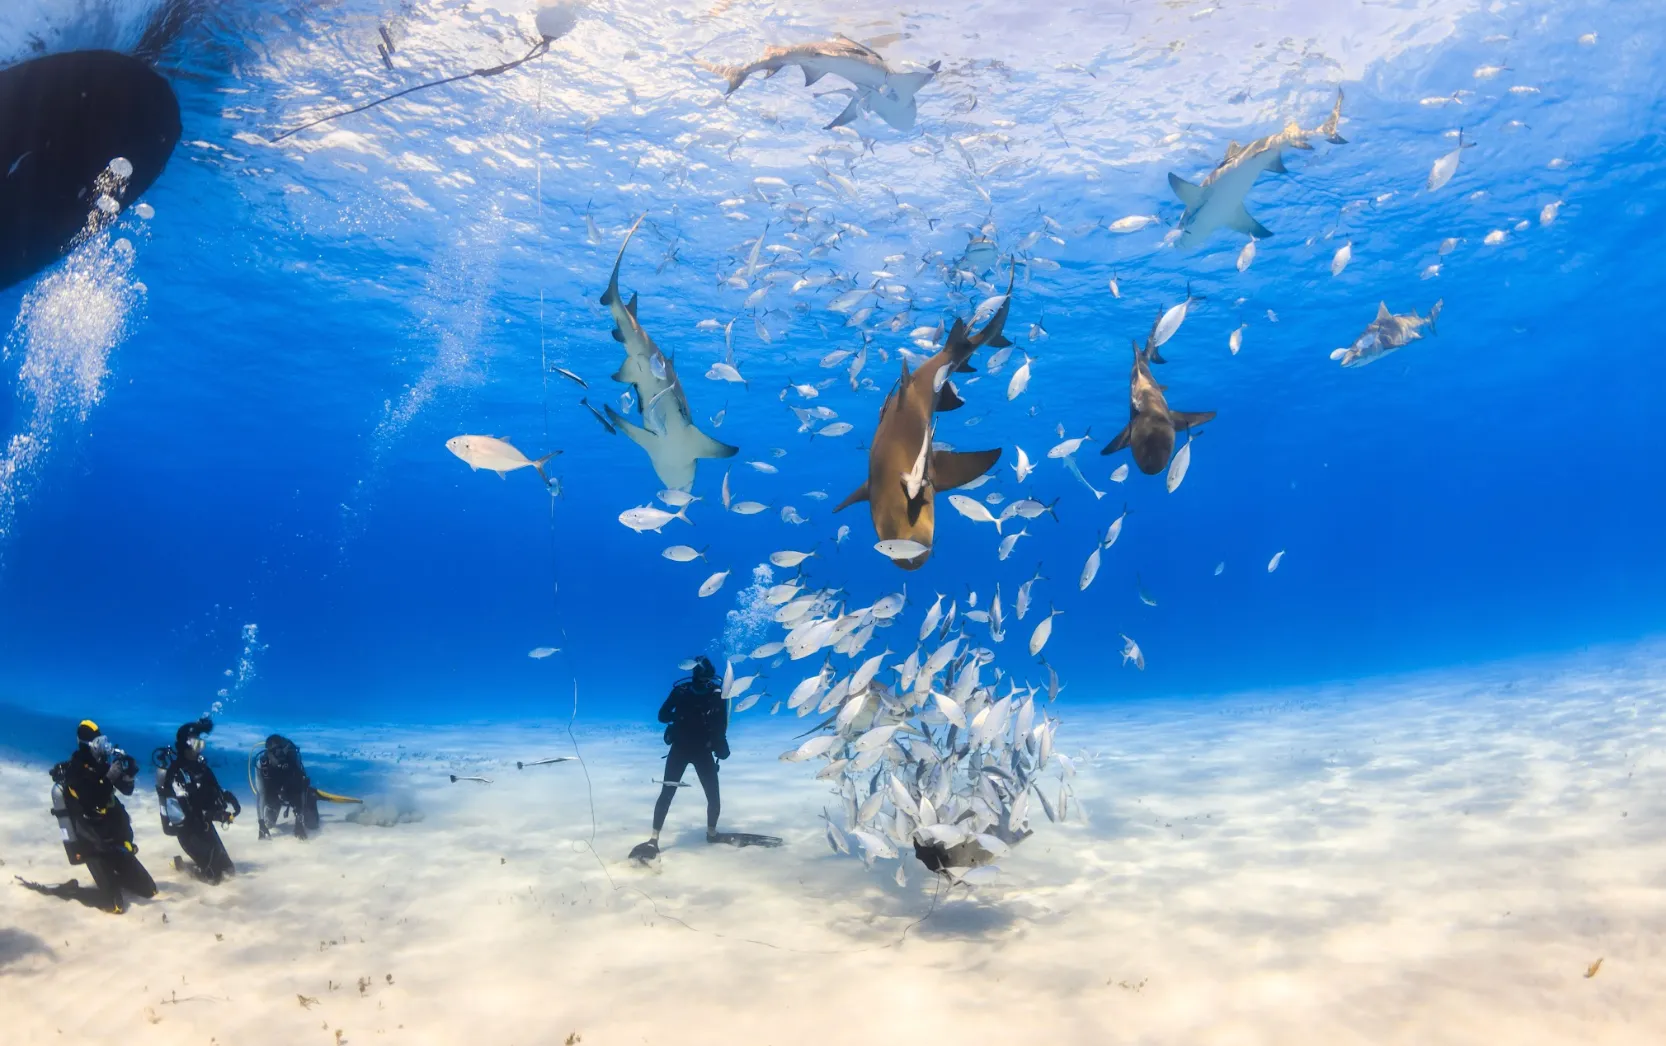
(453, 313)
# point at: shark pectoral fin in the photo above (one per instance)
(1277, 166)
(618, 336)
(859, 494)
(851, 112)
(952, 468)
(965, 368)
(706, 447)
(1000, 341)
(1121, 440)
(1191, 195)
(1242, 222)
(1185, 419)
(634, 431)
(812, 75)
(948, 398)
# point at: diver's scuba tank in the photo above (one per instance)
(168, 805)
(66, 818)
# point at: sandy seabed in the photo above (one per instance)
(1436, 859)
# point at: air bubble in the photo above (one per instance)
(145, 211)
(121, 168)
(107, 204)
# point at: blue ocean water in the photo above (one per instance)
(237, 489)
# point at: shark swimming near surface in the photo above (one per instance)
(1219, 200)
(904, 472)
(1386, 333)
(1151, 424)
(875, 87)
(668, 432)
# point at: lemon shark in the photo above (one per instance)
(1151, 424)
(1218, 202)
(668, 432)
(904, 473)
(1386, 333)
(877, 89)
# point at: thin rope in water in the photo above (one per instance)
(538, 49)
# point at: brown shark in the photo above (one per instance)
(904, 474)
(1151, 425)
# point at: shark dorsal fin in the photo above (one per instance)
(1382, 312)
(1232, 151)
(630, 306)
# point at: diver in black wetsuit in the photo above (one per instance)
(192, 800)
(96, 829)
(281, 781)
(697, 733)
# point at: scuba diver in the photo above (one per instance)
(96, 829)
(697, 723)
(192, 800)
(281, 783)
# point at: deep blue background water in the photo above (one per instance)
(1489, 492)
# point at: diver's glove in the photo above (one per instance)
(722, 750)
(236, 807)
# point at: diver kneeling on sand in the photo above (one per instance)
(697, 731)
(192, 800)
(280, 782)
(96, 829)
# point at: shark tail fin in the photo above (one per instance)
(1328, 128)
(611, 295)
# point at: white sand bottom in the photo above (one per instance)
(1432, 860)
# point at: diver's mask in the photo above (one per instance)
(196, 745)
(101, 748)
